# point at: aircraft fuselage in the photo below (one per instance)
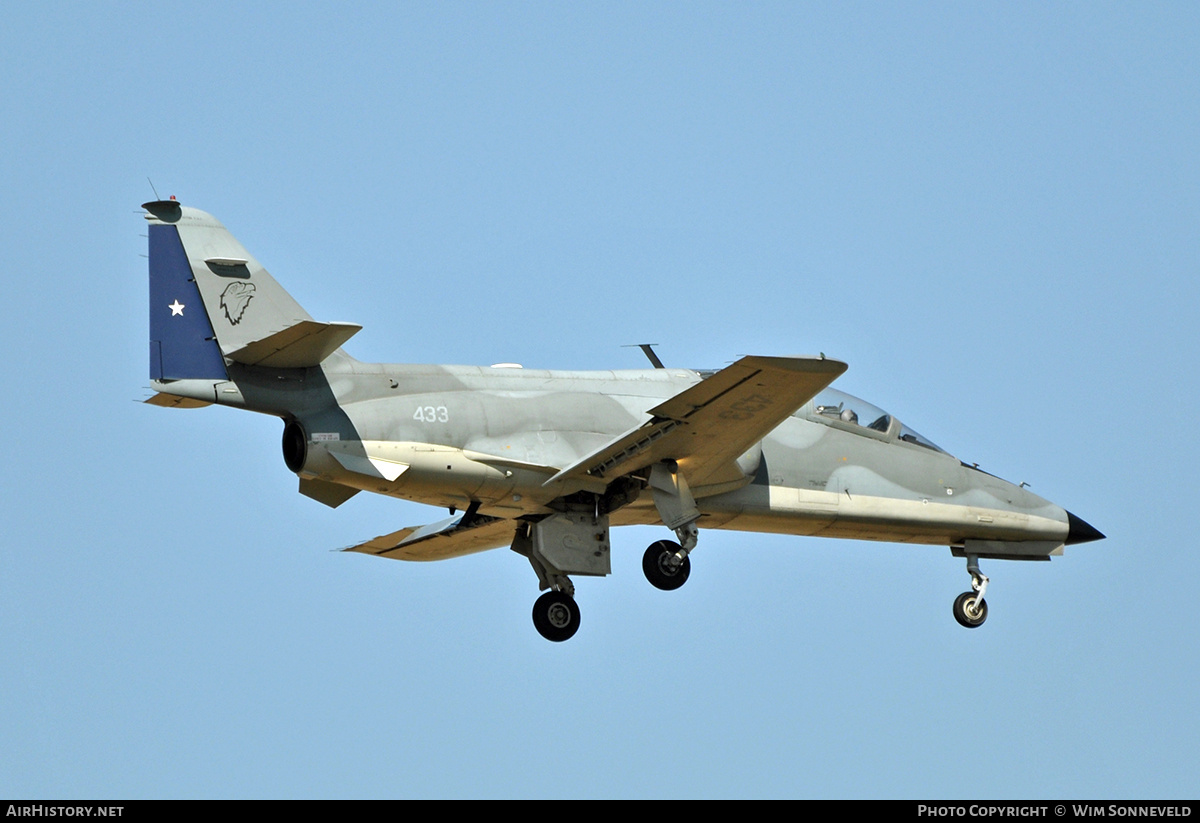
(486, 434)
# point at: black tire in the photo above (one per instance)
(660, 573)
(974, 618)
(556, 616)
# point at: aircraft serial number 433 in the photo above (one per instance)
(545, 462)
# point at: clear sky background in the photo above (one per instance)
(989, 210)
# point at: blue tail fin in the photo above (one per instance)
(212, 303)
(182, 343)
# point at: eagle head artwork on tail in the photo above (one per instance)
(234, 300)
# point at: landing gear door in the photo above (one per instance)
(574, 543)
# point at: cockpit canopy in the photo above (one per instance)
(834, 407)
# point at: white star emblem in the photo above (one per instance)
(176, 308)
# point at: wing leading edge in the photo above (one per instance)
(706, 427)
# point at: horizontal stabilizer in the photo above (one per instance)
(446, 538)
(174, 401)
(300, 346)
(331, 494)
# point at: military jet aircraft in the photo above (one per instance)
(545, 462)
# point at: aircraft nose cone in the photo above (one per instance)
(1079, 531)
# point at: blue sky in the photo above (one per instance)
(989, 211)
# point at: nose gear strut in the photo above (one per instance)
(970, 609)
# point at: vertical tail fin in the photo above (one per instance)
(182, 342)
(212, 303)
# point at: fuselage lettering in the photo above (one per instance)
(431, 414)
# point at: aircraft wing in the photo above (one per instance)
(706, 427)
(438, 541)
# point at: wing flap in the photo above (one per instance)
(709, 425)
(438, 541)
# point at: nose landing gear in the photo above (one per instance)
(970, 609)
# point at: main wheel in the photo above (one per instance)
(555, 616)
(968, 612)
(658, 569)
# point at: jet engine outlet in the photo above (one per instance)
(295, 446)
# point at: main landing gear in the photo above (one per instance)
(970, 609)
(570, 542)
(556, 616)
(666, 565)
(575, 541)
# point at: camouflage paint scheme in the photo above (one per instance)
(546, 461)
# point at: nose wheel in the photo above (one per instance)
(556, 616)
(970, 609)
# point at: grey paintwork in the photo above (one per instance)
(500, 441)
(552, 419)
